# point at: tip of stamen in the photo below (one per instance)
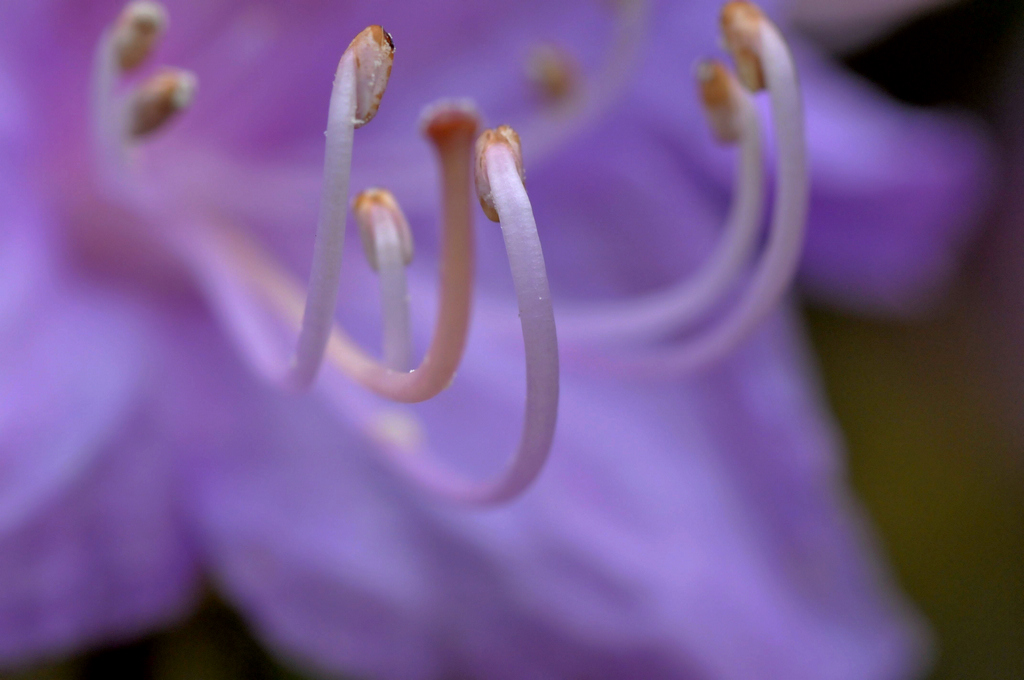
(374, 207)
(720, 94)
(136, 31)
(450, 119)
(553, 73)
(500, 135)
(158, 99)
(741, 28)
(374, 53)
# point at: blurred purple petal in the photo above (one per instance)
(90, 547)
(898, 193)
(680, 531)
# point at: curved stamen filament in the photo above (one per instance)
(325, 273)
(733, 118)
(359, 83)
(226, 258)
(387, 242)
(508, 201)
(760, 39)
(118, 120)
(452, 127)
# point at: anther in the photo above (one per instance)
(553, 73)
(375, 209)
(374, 54)
(741, 29)
(158, 99)
(720, 94)
(501, 135)
(136, 32)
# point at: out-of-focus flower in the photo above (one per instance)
(846, 25)
(694, 529)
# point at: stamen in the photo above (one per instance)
(499, 158)
(359, 84)
(387, 242)
(778, 264)
(722, 99)
(554, 74)
(158, 100)
(741, 31)
(137, 31)
(374, 54)
(221, 256)
(451, 126)
(595, 94)
(500, 135)
(732, 117)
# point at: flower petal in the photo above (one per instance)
(88, 546)
(90, 549)
(679, 531)
(898, 192)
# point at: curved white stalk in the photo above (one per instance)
(387, 243)
(662, 312)
(325, 274)
(526, 259)
(778, 264)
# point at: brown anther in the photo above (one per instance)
(741, 29)
(553, 72)
(136, 31)
(719, 92)
(374, 208)
(500, 135)
(158, 99)
(450, 119)
(374, 54)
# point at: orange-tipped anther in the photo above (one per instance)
(741, 28)
(374, 53)
(500, 135)
(136, 32)
(719, 93)
(374, 208)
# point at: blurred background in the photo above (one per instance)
(936, 454)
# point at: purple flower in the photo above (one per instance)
(692, 529)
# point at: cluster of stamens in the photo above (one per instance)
(270, 315)
(763, 62)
